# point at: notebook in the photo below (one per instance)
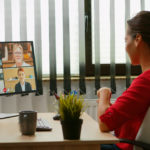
(8, 115)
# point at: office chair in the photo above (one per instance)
(140, 145)
(142, 140)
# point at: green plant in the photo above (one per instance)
(71, 107)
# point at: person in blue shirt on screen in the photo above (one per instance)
(22, 85)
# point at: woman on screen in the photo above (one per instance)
(127, 113)
(18, 56)
(22, 85)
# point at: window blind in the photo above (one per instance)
(62, 35)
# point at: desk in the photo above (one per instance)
(91, 137)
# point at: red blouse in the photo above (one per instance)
(127, 113)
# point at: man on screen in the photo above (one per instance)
(22, 85)
(18, 56)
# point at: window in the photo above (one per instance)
(73, 22)
(104, 32)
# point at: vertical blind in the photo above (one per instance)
(52, 54)
(57, 28)
(108, 34)
(18, 17)
(128, 65)
(53, 26)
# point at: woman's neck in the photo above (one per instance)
(145, 59)
(145, 68)
(19, 64)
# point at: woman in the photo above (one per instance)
(22, 85)
(127, 113)
(18, 56)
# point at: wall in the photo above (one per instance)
(46, 103)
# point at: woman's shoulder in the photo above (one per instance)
(142, 79)
(145, 75)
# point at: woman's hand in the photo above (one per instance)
(104, 95)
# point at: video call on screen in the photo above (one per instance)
(17, 72)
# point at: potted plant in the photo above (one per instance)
(70, 109)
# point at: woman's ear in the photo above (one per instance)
(138, 39)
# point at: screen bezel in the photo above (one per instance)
(34, 66)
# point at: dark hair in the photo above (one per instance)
(140, 24)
